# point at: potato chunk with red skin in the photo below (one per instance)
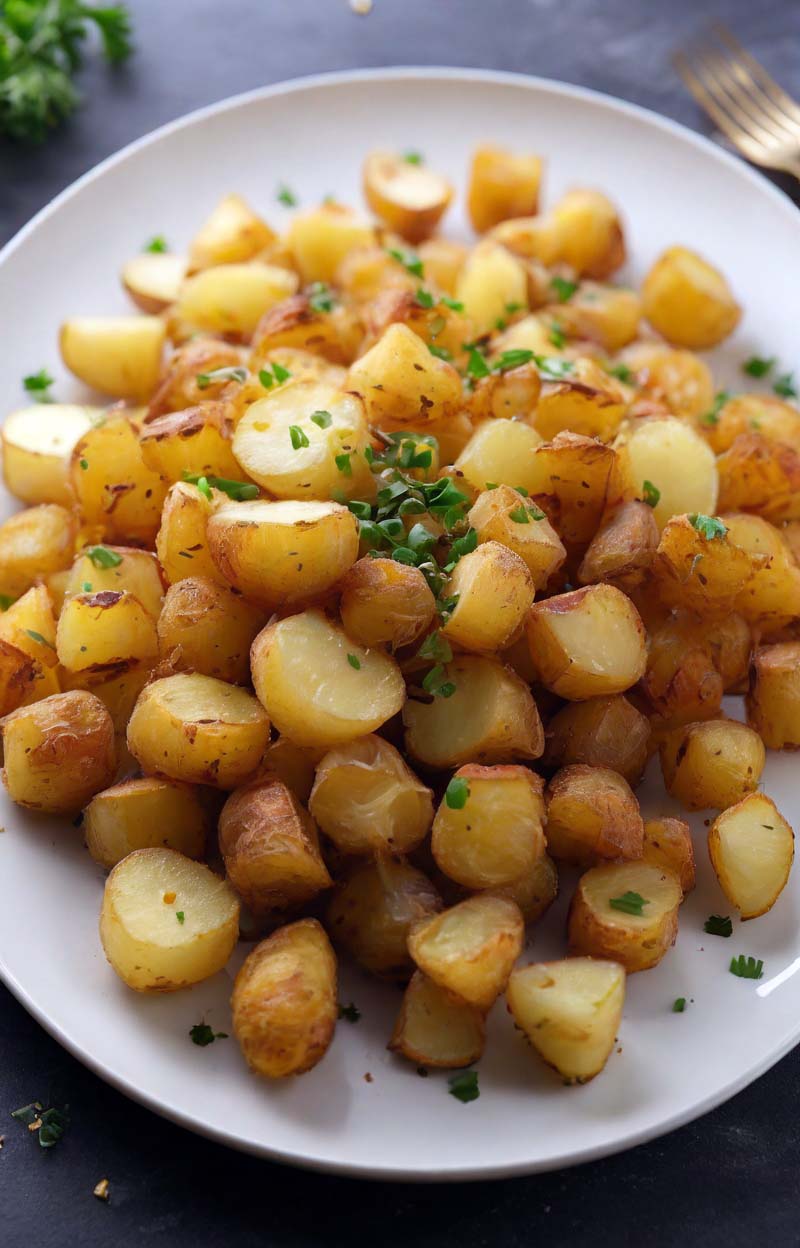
(773, 699)
(587, 643)
(592, 814)
(465, 842)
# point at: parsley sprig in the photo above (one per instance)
(201, 1034)
(49, 1124)
(718, 925)
(37, 384)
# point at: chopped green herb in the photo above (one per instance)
(477, 366)
(350, 1012)
(413, 158)
(286, 197)
(501, 324)
(204, 380)
(464, 1086)
(102, 557)
(269, 379)
(455, 305)
(552, 368)
(462, 546)
(37, 384)
(6, 601)
(86, 587)
(711, 417)
(27, 1114)
(557, 337)
(562, 289)
(84, 463)
(456, 793)
(678, 1005)
(629, 903)
(424, 298)
(746, 968)
(180, 916)
(343, 464)
(298, 437)
(202, 1035)
(354, 661)
(50, 1124)
(437, 325)
(785, 386)
(520, 515)
(435, 684)
(239, 491)
(280, 373)
(512, 359)
(650, 494)
(204, 487)
(323, 420)
(511, 308)
(621, 372)
(157, 245)
(718, 925)
(708, 527)
(320, 297)
(757, 366)
(441, 353)
(409, 260)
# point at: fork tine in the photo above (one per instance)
(761, 105)
(734, 132)
(735, 115)
(744, 106)
(767, 83)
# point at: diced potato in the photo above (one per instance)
(772, 418)
(771, 597)
(688, 301)
(118, 355)
(622, 550)
(303, 366)
(372, 910)
(469, 950)
(494, 590)
(153, 279)
(730, 644)
(760, 476)
(409, 198)
(496, 837)
(200, 357)
(284, 1001)
(231, 234)
(297, 324)
(606, 315)
(510, 394)
(589, 233)
(569, 477)
(502, 185)
(149, 947)
(586, 401)
(198, 729)
(118, 694)
(669, 453)
(29, 625)
(270, 846)
(17, 677)
(196, 441)
(283, 554)
(366, 799)
(145, 814)
(702, 573)
(438, 324)
(443, 259)
(490, 717)
(367, 272)
(533, 892)
(432, 1029)
(206, 628)
(385, 603)
(603, 732)
(600, 930)
(751, 847)
(679, 380)
(294, 764)
(37, 444)
(773, 699)
(500, 452)
(33, 544)
(58, 752)
(668, 844)
(320, 239)
(137, 572)
(319, 687)
(182, 540)
(105, 633)
(587, 643)
(116, 491)
(570, 1012)
(491, 279)
(498, 516)
(681, 683)
(402, 385)
(232, 298)
(712, 764)
(591, 815)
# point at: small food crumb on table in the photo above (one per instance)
(100, 1190)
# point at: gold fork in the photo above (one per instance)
(743, 99)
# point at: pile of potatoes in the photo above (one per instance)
(204, 654)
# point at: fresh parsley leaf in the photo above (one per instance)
(6, 601)
(102, 557)
(708, 527)
(678, 1005)
(280, 373)
(785, 386)
(562, 289)
(746, 968)
(157, 245)
(204, 380)
(629, 903)
(180, 916)
(286, 197)
(354, 661)
(455, 305)
(477, 367)
(718, 925)
(343, 463)
(413, 158)
(435, 684)
(202, 1035)
(350, 1012)
(456, 793)
(711, 417)
(424, 298)
(298, 438)
(441, 353)
(320, 297)
(650, 494)
(520, 515)
(50, 1124)
(757, 366)
(84, 463)
(409, 260)
(621, 372)
(37, 384)
(512, 359)
(464, 1086)
(323, 420)
(27, 1114)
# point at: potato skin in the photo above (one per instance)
(502, 185)
(668, 844)
(714, 763)
(596, 929)
(182, 540)
(592, 815)
(409, 199)
(17, 676)
(284, 1001)
(603, 732)
(433, 1029)
(145, 813)
(34, 543)
(751, 847)
(622, 550)
(536, 542)
(385, 603)
(58, 752)
(773, 698)
(415, 388)
(208, 629)
(689, 301)
(494, 589)
(587, 643)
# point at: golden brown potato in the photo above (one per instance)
(773, 699)
(622, 550)
(232, 298)
(17, 677)
(208, 629)
(502, 185)
(37, 443)
(443, 260)
(321, 238)
(118, 355)
(533, 892)
(490, 717)
(116, 491)
(730, 644)
(570, 1012)
(195, 441)
(603, 732)
(488, 830)
(210, 360)
(148, 944)
(712, 764)
(681, 683)
(592, 814)
(105, 633)
(284, 1001)
(668, 844)
(688, 301)
(136, 571)
(491, 279)
(675, 459)
(772, 418)
(589, 234)
(433, 1029)
(283, 554)
(319, 687)
(153, 279)
(502, 515)
(569, 478)
(607, 316)
(677, 380)
(145, 814)
(367, 800)
(270, 846)
(469, 950)
(637, 931)
(408, 197)
(771, 597)
(29, 626)
(441, 326)
(751, 847)
(58, 752)
(587, 401)
(296, 324)
(494, 590)
(402, 384)
(34, 543)
(231, 234)
(385, 603)
(198, 729)
(698, 565)
(367, 272)
(500, 452)
(294, 765)
(182, 540)
(761, 477)
(587, 643)
(118, 693)
(506, 394)
(372, 910)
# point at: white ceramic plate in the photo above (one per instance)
(312, 135)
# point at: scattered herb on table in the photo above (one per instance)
(757, 366)
(679, 1005)
(286, 197)
(785, 386)
(157, 245)
(38, 384)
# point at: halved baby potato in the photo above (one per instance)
(207, 628)
(592, 814)
(408, 197)
(670, 454)
(37, 444)
(773, 699)
(714, 763)
(232, 233)
(433, 1029)
(469, 950)
(117, 494)
(494, 590)
(689, 301)
(232, 298)
(500, 452)
(35, 543)
(623, 549)
(146, 813)
(502, 515)
(491, 279)
(117, 355)
(625, 911)
(153, 279)
(385, 603)
(135, 571)
(196, 441)
(105, 632)
(182, 539)
(668, 844)
(751, 847)
(587, 643)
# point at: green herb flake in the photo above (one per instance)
(27, 1114)
(36, 384)
(456, 793)
(435, 684)
(441, 353)
(455, 305)
(679, 1005)
(298, 437)
(711, 417)
(86, 587)
(409, 260)
(746, 968)
(520, 515)
(413, 158)
(709, 527)
(102, 557)
(180, 916)
(84, 463)
(477, 366)
(201, 1034)
(239, 491)
(557, 337)
(436, 648)
(204, 380)
(511, 308)
(553, 369)
(39, 639)
(621, 372)
(354, 661)
(286, 197)
(562, 289)
(204, 487)
(157, 245)
(758, 366)
(349, 1012)
(50, 1124)
(424, 298)
(323, 420)
(320, 297)
(785, 386)
(343, 463)
(464, 1086)
(650, 494)
(629, 903)
(6, 601)
(512, 359)
(718, 925)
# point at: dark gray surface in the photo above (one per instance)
(733, 1175)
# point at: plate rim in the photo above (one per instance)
(172, 1112)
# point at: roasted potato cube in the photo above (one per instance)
(730, 644)
(698, 568)
(118, 694)
(588, 233)
(506, 394)
(500, 452)
(37, 444)
(17, 677)
(570, 1012)
(367, 272)
(182, 540)
(385, 603)
(443, 259)
(294, 765)
(33, 544)
(586, 401)
(668, 844)
(490, 717)
(145, 814)
(116, 491)
(319, 687)
(774, 419)
(533, 892)
(271, 849)
(402, 384)
(491, 832)
(606, 315)
(129, 569)
(154, 279)
(688, 301)
(231, 234)
(678, 380)
(771, 597)
(409, 198)
(712, 764)
(669, 453)
(232, 298)
(284, 1001)
(433, 1029)
(503, 516)
(205, 628)
(58, 752)
(751, 847)
(441, 326)
(198, 729)
(773, 699)
(622, 550)
(150, 948)
(640, 928)
(209, 359)
(760, 476)
(282, 554)
(372, 909)
(569, 477)
(494, 590)
(469, 950)
(592, 814)
(320, 239)
(681, 683)
(29, 625)
(118, 355)
(587, 643)
(195, 441)
(297, 324)
(105, 633)
(366, 799)
(502, 185)
(490, 280)
(603, 732)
